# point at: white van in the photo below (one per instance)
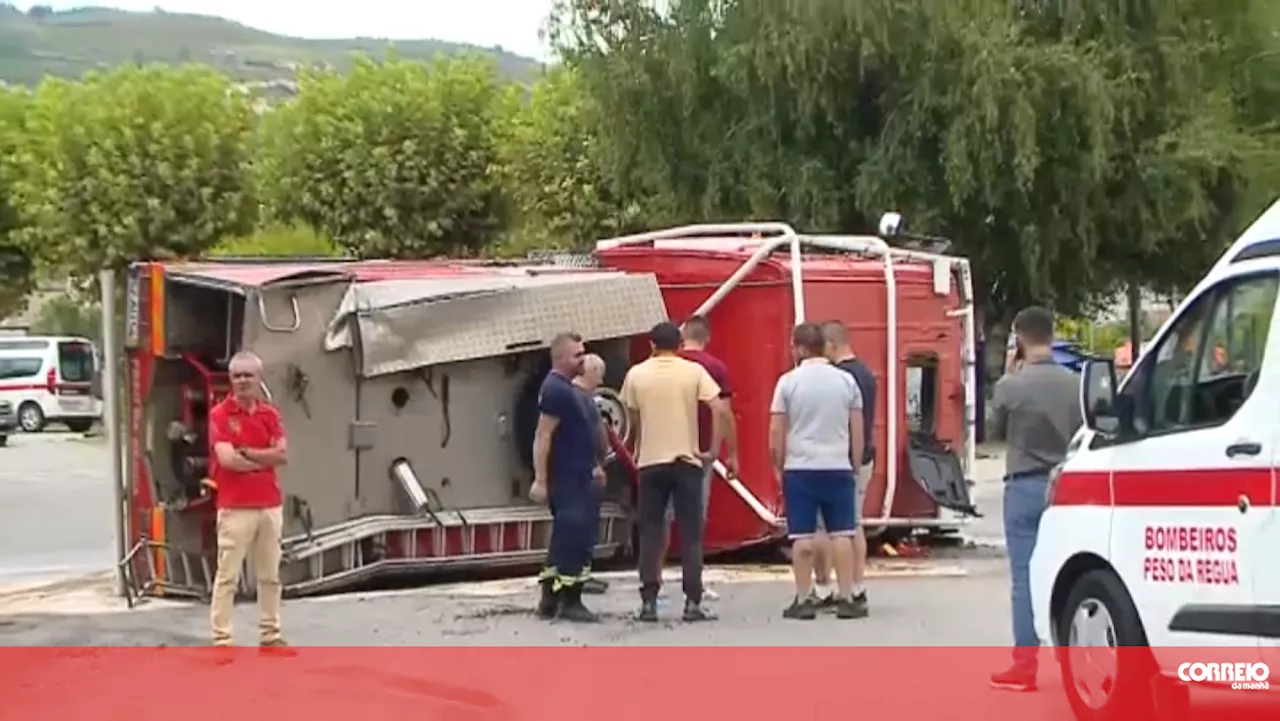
(1161, 529)
(49, 379)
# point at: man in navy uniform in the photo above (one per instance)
(564, 460)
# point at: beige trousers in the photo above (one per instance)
(252, 533)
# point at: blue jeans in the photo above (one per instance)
(1024, 504)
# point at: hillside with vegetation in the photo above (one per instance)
(69, 43)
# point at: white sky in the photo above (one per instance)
(513, 24)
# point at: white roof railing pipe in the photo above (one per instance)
(764, 251)
(708, 231)
(969, 356)
(797, 281)
(961, 267)
(871, 245)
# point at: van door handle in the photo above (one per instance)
(1243, 449)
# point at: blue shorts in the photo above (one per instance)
(831, 495)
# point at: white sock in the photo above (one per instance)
(858, 590)
(822, 591)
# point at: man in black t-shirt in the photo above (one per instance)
(841, 355)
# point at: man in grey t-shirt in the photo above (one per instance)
(815, 441)
(1037, 411)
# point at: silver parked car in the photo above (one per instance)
(8, 421)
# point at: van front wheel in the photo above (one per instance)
(31, 417)
(1107, 671)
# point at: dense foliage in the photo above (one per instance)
(1069, 148)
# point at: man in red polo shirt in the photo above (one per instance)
(247, 444)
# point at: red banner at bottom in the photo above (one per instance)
(617, 684)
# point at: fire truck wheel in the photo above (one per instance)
(1107, 670)
(608, 400)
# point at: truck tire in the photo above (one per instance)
(526, 420)
(526, 413)
(1099, 618)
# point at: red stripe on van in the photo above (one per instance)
(23, 387)
(1200, 487)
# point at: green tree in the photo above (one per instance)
(134, 164)
(1193, 90)
(65, 315)
(277, 241)
(551, 168)
(1061, 158)
(826, 114)
(393, 159)
(16, 258)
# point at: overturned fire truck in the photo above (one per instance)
(408, 390)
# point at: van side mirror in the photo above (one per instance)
(1098, 396)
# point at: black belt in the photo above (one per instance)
(1028, 474)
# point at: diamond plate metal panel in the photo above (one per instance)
(522, 317)
(565, 259)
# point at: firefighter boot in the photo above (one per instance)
(571, 608)
(549, 603)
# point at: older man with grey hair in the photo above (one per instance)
(593, 370)
(248, 445)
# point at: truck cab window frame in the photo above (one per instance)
(922, 394)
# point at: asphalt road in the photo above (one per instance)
(56, 524)
(55, 507)
(56, 589)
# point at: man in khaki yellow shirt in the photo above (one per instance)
(662, 395)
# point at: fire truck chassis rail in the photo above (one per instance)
(348, 554)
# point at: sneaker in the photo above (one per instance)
(801, 610)
(1015, 679)
(276, 647)
(648, 611)
(822, 602)
(853, 607)
(695, 612)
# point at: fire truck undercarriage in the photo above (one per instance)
(405, 390)
(409, 393)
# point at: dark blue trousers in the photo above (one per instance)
(575, 527)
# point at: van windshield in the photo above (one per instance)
(75, 361)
